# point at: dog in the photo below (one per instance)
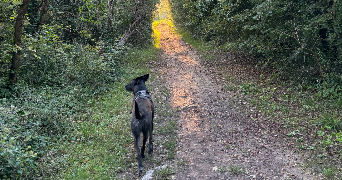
(142, 116)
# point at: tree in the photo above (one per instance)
(18, 28)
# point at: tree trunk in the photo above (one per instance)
(18, 26)
(139, 12)
(45, 8)
(110, 4)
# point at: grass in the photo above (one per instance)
(222, 169)
(162, 174)
(169, 128)
(329, 172)
(236, 170)
(100, 146)
(170, 145)
(168, 131)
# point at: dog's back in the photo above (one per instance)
(142, 116)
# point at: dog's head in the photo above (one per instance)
(137, 84)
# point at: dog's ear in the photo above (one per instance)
(145, 77)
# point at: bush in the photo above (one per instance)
(56, 80)
(30, 125)
(49, 61)
(301, 39)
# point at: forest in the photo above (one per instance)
(58, 56)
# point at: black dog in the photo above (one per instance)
(142, 116)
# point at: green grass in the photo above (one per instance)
(169, 128)
(162, 174)
(100, 145)
(329, 172)
(236, 170)
(170, 145)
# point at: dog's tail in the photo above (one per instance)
(136, 111)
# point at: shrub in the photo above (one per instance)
(30, 125)
(301, 39)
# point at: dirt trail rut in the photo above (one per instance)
(214, 140)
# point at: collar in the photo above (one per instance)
(142, 94)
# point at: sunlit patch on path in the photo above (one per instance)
(183, 84)
(214, 141)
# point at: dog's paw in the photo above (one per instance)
(150, 150)
(140, 169)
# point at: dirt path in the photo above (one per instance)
(214, 140)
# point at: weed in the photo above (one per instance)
(222, 169)
(300, 139)
(230, 87)
(249, 88)
(291, 134)
(328, 141)
(320, 133)
(170, 145)
(338, 136)
(169, 128)
(329, 172)
(156, 161)
(321, 155)
(236, 170)
(301, 147)
(181, 162)
(163, 173)
(331, 121)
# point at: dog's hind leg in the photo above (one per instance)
(139, 157)
(144, 144)
(150, 144)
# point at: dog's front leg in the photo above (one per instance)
(136, 143)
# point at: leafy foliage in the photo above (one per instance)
(30, 125)
(302, 39)
(69, 56)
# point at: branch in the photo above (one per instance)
(138, 14)
(310, 50)
(129, 32)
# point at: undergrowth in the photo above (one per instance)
(69, 132)
(99, 145)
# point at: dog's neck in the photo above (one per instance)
(142, 94)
